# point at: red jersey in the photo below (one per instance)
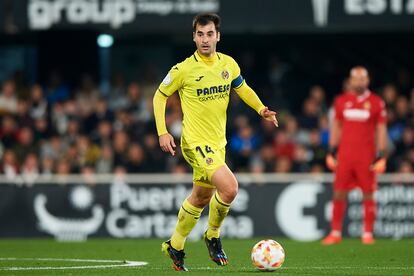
(359, 116)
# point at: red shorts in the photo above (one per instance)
(355, 173)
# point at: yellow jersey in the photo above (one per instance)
(204, 86)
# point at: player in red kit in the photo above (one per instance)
(357, 143)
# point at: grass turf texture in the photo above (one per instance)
(386, 257)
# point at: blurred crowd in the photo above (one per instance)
(53, 128)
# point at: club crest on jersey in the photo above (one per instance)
(209, 161)
(367, 105)
(225, 75)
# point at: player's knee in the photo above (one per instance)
(203, 201)
(229, 194)
(340, 195)
(200, 200)
(367, 196)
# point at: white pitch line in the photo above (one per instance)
(305, 268)
(122, 264)
(353, 267)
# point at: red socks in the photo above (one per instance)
(369, 215)
(338, 210)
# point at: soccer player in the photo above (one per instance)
(204, 81)
(357, 144)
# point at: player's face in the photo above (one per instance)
(206, 38)
(359, 80)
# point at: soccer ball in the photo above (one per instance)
(268, 255)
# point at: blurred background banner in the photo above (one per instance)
(166, 16)
(295, 209)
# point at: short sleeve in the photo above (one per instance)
(382, 114)
(172, 81)
(237, 79)
(338, 112)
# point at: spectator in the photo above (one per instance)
(56, 90)
(301, 159)
(9, 165)
(317, 150)
(242, 146)
(72, 131)
(318, 95)
(105, 162)
(54, 148)
(86, 96)
(38, 104)
(101, 113)
(389, 94)
(103, 133)
(310, 114)
(283, 165)
(8, 98)
(135, 161)
(42, 131)
(120, 143)
(283, 145)
(25, 143)
(88, 175)
(264, 162)
(8, 131)
(72, 158)
(87, 152)
(405, 167)
(22, 114)
(154, 158)
(30, 169)
(47, 167)
(59, 118)
(63, 167)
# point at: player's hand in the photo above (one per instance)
(269, 115)
(380, 165)
(167, 143)
(331, 162)
(330, 159)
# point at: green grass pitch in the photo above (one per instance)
(386, 257)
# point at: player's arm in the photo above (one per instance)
(165, 139)
(334, 137)
(380, 163)
(335, 134)
(247, 94)
(169, 85)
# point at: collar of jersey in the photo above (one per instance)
(206, 60)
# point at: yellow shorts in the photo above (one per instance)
(205, 160)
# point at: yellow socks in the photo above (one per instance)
(218, 211)
(188, 217)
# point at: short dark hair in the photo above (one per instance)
(205, 18)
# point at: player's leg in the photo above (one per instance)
(343, 179)
(227, 186)
(188, 217)
(368, 184)
(370, 210)
(338, 211)
(189, 214)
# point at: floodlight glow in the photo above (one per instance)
(105, 40)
